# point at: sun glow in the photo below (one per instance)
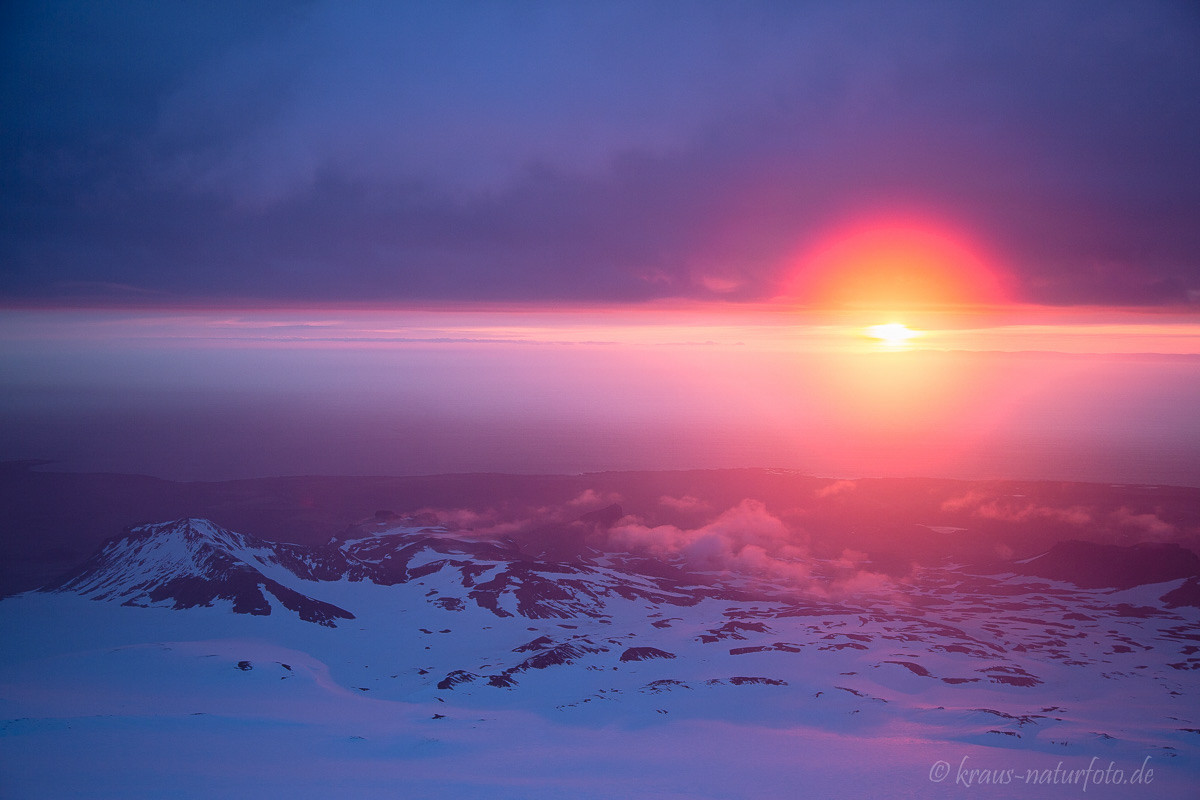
(892, 334)
(897, 265)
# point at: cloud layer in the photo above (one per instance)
(616, 151)
(749, 540)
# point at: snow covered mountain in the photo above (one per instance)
(194, 562)
(972, 628)
(466, 628)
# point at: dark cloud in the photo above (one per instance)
(587, 151)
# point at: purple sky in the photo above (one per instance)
(159, 153)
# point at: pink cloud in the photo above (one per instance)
(1013, 509)
(685, 503)
(480, 522)
(1144, 523)
(1011, 512)
(746, 538)
(861, 581)
(851, 559)
(836, 488)
(966, 501)
(590, 498)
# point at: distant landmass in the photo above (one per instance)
(53, 521)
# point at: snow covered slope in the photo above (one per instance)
(401, 646)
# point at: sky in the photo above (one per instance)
(268, 152)
(261, 238)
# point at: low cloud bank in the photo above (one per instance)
(746, 538)
(749, 539)
(1015, 509)
(1120, 525)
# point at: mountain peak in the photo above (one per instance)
(190, 562)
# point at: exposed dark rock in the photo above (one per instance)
(740, 680)
(916, 669)
(540, 643)
(733, 630)
(310, 610)
(741, 651)
(644, 653)
(564, 653)
(456, 677)
(1014, 680)
(781, 647)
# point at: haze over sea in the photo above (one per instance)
(212, 395)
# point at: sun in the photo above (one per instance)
(892, 334)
